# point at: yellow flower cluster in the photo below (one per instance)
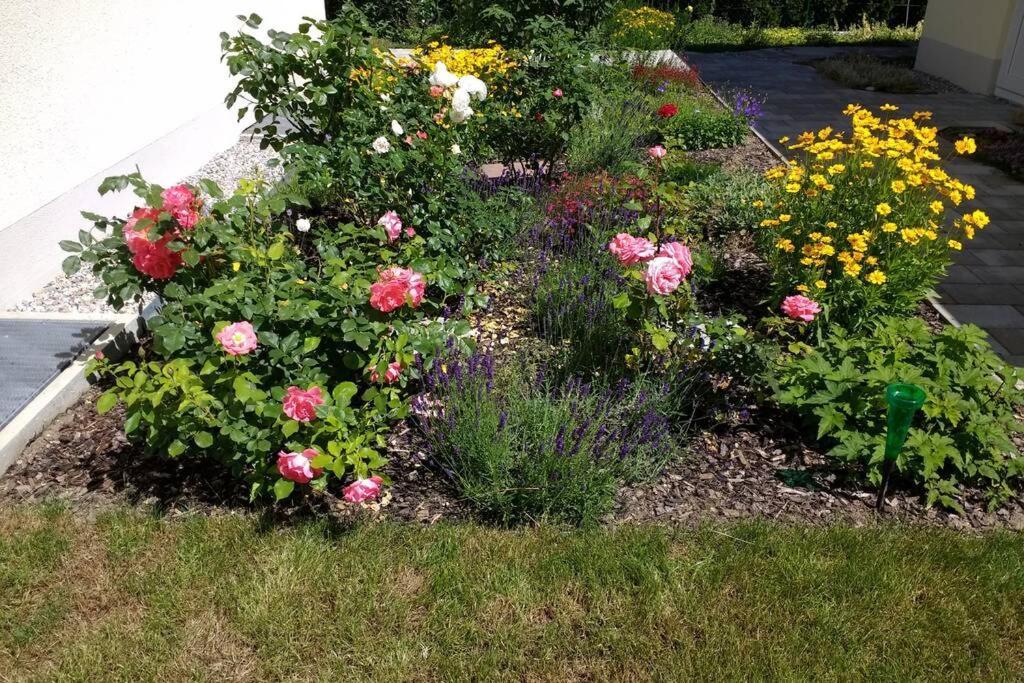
(856, 205)
(490, 64)
(642, 22)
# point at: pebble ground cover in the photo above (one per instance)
(565, 344)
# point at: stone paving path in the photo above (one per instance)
(985, 286)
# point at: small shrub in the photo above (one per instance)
(862, 71)
(641, 28)
(682, 170)
(522, 450)
(962, 436)
(700, 123)
(611, 133)
(726, 203)
(858, 223)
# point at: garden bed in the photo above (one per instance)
(659, 324)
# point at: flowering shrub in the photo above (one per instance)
(492, 64)
(661, 77)
(525, 450)
(642, 27)
(962, 435)
(281, 357)
(857, 223)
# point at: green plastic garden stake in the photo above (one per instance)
(904, 401)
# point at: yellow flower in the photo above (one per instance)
(936, 206)
(876, 277)
(785, 245)
(803, 288)
(832, 224)
(784, 139)
(898, 186)
(867, 163)
(757, 204)
(851, 109)
(883, 209)
(957, 246)
(235, 266)
(852, 269)
(785, 218)
(793, 188)
(836, 169)
(821, 284)
(889, 227)
(888, 107)
(966, 145)
(980, 218)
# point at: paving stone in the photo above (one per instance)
(989, 316)
(1012, 340)
(980, 293)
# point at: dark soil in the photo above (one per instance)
(750, 155)
(999, 148)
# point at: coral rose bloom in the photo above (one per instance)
(799, 307)
(679, 253)
(363, 489)
(301, 405)
(297, 467)
(391, 375)
(135, 237)
(238, 339)
(630, 250)
(663, 275)
(395, 287)
(155, 259)
(667, 111)
(180, 202)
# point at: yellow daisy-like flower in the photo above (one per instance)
(851, 109)
(832, 224)
(784, 139)
(876, 277)
(785, 245)
(888, 107)
(867, 163)
(836, 169)
(898, 186)
(966, 145)
(792, 188)
(785, 218)
(936, 206)
(980, 218)
(955, 245)
(757, 204)
(852, 269)
(821, 284)
(889, 227)
(883, 209)
(803, 288)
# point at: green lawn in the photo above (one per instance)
(135, 597)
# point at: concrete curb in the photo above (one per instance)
(932, 299)
(65, 389)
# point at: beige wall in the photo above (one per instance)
(963, 41)
(87, 85)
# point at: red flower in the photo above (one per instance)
(667, 111)
(538, 117)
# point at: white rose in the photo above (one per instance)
(302, 225)
(458, 115)
(381, 145)
(386, 97)
(474, 86)
(456, 149)
(442, 77)
(396, 128)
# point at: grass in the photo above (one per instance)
(713, 35)
(133, 597)
(862, 71)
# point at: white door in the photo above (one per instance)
(1010, 83)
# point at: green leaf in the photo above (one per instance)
(70, 245)
(289, 427)
(176, 448)
(71, 265)
(203, 439)
(283, 488)
(621, 301)
(344, 392)
(310, 344)
(276, 251)
(106, 402)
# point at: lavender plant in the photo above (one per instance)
(523, 449)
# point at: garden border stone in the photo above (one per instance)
(66, 388)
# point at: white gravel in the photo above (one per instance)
(74, 294)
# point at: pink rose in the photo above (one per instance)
(799, 307)
(301, 405)
(557, 92)
(392, 225)
(238, 339)
(663, 275)
(363, 489)
(410, 231)
(629, 249)
(436, 91)
(407, 139)
(180, 202)
(395, 287)
(391, 375)
(297, 467)
(421, 134)
(679, 253)
(657, 152)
